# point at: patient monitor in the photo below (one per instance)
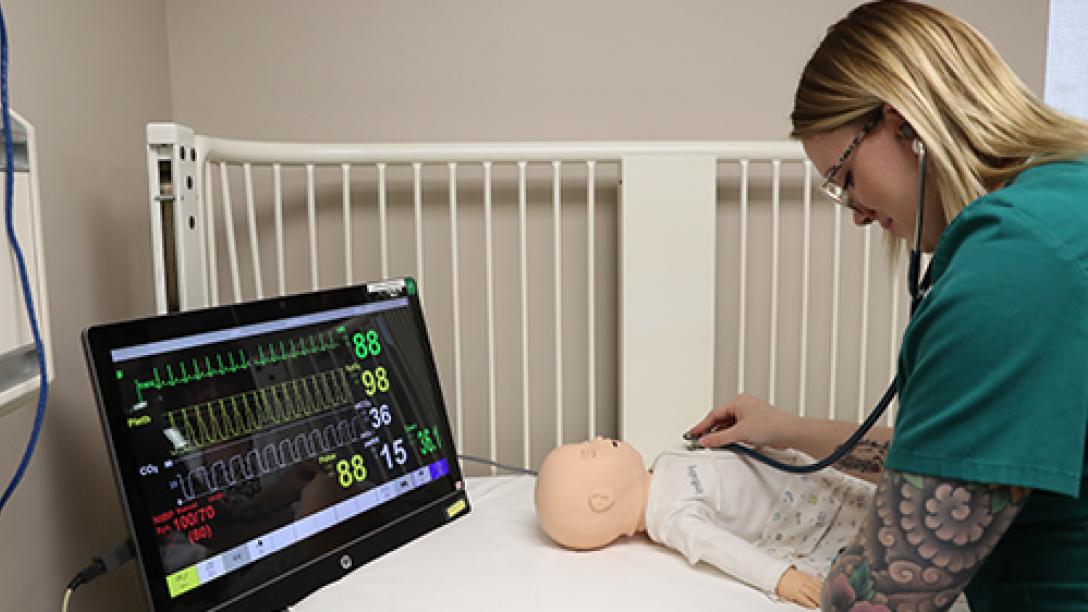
(264, 449)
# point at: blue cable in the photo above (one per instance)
(9, 208)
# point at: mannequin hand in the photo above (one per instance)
(746, 419)
(799, 587)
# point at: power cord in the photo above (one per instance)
(9, 208)
(117, 556)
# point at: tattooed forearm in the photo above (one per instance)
(865, 459)
(923, 540)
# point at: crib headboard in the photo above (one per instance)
(571, 289)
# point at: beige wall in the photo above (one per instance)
(432, 70)
(89, 75)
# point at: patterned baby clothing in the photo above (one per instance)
(815, 516)
(750, 520)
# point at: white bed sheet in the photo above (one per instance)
(497, 558)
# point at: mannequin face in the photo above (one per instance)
(590, 493)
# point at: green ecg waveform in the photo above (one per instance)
(224, 419)
(235, 361)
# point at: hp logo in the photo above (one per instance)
(345, 562)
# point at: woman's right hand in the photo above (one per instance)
(748, 420)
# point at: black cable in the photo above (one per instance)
(497, 464)
(121, 553)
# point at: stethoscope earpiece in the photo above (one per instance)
(907, 131)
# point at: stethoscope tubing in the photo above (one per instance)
(917, 292)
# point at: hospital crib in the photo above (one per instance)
(571, 289)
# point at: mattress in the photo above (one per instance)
(497, 558)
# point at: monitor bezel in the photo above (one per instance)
(99, 340)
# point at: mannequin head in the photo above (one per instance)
(590, 493)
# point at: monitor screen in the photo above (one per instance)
(264, 449)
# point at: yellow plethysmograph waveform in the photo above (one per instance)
(226, 418)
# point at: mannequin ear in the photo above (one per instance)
(601, 499)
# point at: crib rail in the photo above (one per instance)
(647, 278)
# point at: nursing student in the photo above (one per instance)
(981, 484)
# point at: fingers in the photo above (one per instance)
(805, 598)
(722, 415)
(721, 437)
(745, 419)
(810, 590)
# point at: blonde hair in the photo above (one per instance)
(980, 124)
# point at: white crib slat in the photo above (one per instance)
(776, 192)
(557, 292)
(833, 374)
(742, 290)
(209, 208)
(311, 217)
(251, 217)
(591, 293)
(345, 179)
(417, 199)
(455, 256)
(523, 261)
(277, 209)
(228, 224)
(863, 346)
(805, 282)
(202, 172)
(383, 225)
(492, 417)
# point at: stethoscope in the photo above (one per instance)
(917, 293)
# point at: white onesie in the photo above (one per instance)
(750, 520)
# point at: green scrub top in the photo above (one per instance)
(994, 380)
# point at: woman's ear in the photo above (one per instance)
(899, 123)
(903, 129)
(601, 500)
(891, 115)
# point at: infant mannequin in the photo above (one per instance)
(750, 521)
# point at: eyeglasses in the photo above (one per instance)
(835, 192)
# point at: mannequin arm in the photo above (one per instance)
(699, 539)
